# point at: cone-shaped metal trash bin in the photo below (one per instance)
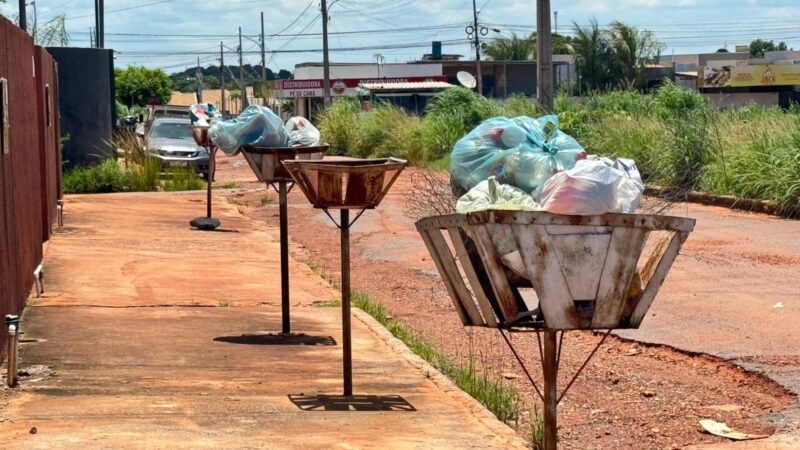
(346, 184)
(266, 165)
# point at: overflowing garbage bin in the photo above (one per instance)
(546, 240)
(266, 142)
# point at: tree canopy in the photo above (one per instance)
(613, 57)
(517, 48)
(186, 81)
(759, 47)
(141, 86)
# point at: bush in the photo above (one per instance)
(101, 178)
(676, 139)
(338, 125)
(520, 105)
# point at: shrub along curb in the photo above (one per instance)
(726, 201)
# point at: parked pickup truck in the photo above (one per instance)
(169, 139)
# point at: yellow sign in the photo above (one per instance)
(765, 75)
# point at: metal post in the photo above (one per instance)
(477, 43)
(555, 20)
(544, 55)
(199, 76)
(550, 369)
(284, 232)
(222, 78)
(347, 351)
(326, 66)
(243, 96)
(101, 27)
(212, 166)
(263, 55)
(23, 16)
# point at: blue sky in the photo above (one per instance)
(685, 26)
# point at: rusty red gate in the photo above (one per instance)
(30, 162)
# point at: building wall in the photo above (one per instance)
(314, 72)
(29, 165)
(731, 100)
(86, 82)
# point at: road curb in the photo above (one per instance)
(491, 423)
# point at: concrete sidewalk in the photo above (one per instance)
(151, 335)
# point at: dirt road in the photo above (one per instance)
(720, 299)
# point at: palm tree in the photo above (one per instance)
(616, 57)
(593, 52)
(513, 48)
(633, 50)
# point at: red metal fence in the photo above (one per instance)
(30, 162)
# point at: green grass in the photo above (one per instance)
(132, 172)
(502, 400)
(108, 176)
(101, 178)
(267, 199)
(676, 138)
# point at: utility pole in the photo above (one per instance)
(544, 52)
(326, 66)
(243, 96)
(91, 37)
(199, 75)
(23, 16)
(221, 79)
(555, 18)
(99, 26)
(263, 55)
(477, 48)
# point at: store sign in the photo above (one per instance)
(766, 75)
(339, 87)
(752, 75)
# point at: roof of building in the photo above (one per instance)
(183, 98)
(405, 86)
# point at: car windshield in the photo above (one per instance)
(171, 131)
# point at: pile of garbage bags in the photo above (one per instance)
(259, 126)
(529, 164)
(204, 114)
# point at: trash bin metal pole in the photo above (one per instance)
(284, 226)
(347, 354)
(210, 178)
(550, 369)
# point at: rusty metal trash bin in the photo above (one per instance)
(587, 272)
(345, 185)
(266, 165)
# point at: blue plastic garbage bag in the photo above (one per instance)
(256, 126)
(522, 152)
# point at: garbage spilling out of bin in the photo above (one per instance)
(258, 126)
(204, 114)
(529, 164)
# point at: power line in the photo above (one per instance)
(120, 9)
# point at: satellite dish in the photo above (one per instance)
(466, 79)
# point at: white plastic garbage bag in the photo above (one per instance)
(592, 187)
(302, 133)
(256, 125)
(490, 194)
